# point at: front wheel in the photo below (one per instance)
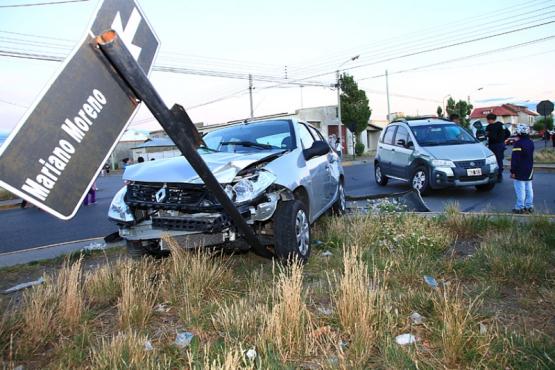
(292, 231)
(381, 179)
(420, 181)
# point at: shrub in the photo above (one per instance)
(359, 149)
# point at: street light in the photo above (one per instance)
(443, 102)
(468, 95)
(339, 97)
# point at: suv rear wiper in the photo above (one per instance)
(248, 144)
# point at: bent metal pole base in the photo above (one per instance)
(128, 68)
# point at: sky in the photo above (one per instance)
(291, 40)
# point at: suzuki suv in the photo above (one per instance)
(281, 174)
(433, 154)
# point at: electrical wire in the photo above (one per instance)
(40, 4)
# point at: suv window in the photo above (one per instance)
(389, 134)
(306, 137)
(402, 134)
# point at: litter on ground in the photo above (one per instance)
(251, 354)
(24, 285)
(416, 318)
(94, 247)
(431, 281)
(183, 339)
(405, 339)
(327, 254)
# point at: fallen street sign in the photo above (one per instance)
(57, 150)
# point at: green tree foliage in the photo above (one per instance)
(354, 104)
(439, 111)
(462, 108)
(359, 149)
(544, 123)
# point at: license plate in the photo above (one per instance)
(474, 172)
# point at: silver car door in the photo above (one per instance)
(332, 169)
(318, 172)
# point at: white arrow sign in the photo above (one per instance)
(128, 34)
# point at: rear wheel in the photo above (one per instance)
(292, 231)
(340, 205)
(420, 181)
(381, 179)
(485, 187)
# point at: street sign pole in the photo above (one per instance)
(126, 66)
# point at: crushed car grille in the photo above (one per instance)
(471, 164)
(206, 224)
(177, 196)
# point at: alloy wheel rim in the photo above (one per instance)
(419, 180)
(302, 232)
(342, 201)
(378, 174)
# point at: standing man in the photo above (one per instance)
(495, 132)
(522, 170)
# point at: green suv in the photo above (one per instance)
(433, 154)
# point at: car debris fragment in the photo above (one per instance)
(22, 286)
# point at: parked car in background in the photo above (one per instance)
(281, 174)
(432, 154)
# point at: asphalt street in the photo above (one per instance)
(27, 228)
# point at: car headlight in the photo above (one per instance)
(247, 189)
(442, 163)
(118, 209)
(491, 160)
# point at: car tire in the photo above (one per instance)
(420, 180)
(292, 232)
(340, 206)
(137, 250)
(381, 179)
(485, 187)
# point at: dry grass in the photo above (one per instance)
(139, 292)
(546, 155)
(233, 359)
(289, 326)
(103, 285)
(239, 321)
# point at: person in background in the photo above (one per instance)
(495, 131)
(91, 195)
(339, 148)
(522, 170)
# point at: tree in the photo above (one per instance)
(354, 105)
(439, 111)
(543, 123)
(462, 108)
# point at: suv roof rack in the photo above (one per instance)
(417, 118)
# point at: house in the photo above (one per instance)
(325, 119)
(507, 113)
(155, 148)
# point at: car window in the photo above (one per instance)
(249, 137)
(445, 134)
(402, 134)
(316, 134)
(389, 134)
(306, 137)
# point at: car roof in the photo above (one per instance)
(424, 121)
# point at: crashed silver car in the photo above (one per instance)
(281, 175)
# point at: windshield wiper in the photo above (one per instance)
(249, 144)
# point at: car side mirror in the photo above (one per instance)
(317, 149)
(402, 142)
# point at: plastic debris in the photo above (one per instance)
(24, 285)
(149, 346)
(251, 354)
(327, 254)
(405, 339)
(318, 243)
(431, 281)
(343, 344)
(19, 367)
(94, 247)
(416, 318)
(483, 329)
(183, 339)
(325, 310)
(161, 307)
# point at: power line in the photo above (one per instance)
(40, 4)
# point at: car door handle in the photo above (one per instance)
(393, 150)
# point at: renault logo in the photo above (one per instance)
(161, 194)
(472, 164)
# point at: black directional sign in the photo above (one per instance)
(545, 107)
(57, 150)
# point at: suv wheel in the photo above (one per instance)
(381, 179)
(340, 205)
(419, 180)
(292, 231)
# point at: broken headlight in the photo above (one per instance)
(248, 188)
(118, 210)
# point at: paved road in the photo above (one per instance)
(360, 181)
(31, 227)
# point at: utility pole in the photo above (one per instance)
(387, 93)
(339, 136)
(250, 95)
(302, 97)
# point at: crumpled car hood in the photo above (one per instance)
(224, 166)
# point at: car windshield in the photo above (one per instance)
(445, 134)
(250, 137)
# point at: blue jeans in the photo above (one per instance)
(524, 194)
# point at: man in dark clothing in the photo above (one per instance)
(522, 170)
(495, 132)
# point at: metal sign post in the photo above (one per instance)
(127, 67)
(55, 153)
